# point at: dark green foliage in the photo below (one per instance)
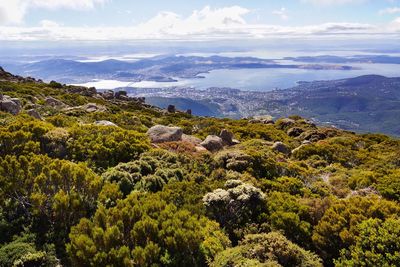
(144, 230)
(271, 249)
(115, 199)
(378, 244)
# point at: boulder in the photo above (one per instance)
(34, 113)
(109, 94)
(92, 107)
(11, 105)
(266, 119)
(286, 123)
(161, 133)
(171, 109)
(213, 143)
(281, 147)
(294, 132)
(51, 101)
(121, 95)
(105, 123)
(191, 139)
(227, 137)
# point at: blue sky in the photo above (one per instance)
(180, 19)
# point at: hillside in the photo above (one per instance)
(103, 179)
(369, 103)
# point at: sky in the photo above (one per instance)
(94, 20)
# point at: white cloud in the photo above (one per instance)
(14, 11)
(48, 24)
(204, 24)
(282, 13)
(72, 4)
(332, 2)
(390, 10)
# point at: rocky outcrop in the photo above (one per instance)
(161, 134)
(8, 77)
(227, 137)
(285, 123)
(34, 113)
(108, 94)
(171, 109)
(10, 105)
(294, 132)
(85, 91)
(92, 107)
(52, 102)
(281, 147)
(262, 119)
(213, 143)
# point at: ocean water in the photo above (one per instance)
(257, 79)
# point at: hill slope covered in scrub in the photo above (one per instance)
(90, 179)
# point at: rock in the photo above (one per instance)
(281, 147)
(235, 142)
(171, 109)
(201, 149)
(191, 139)
(313, 135)
(92, 107)
(34, 113)
(109, 94)
(266, 119)
(189, 112)
(105, 123)
(121, 95)
(227, 137)
(286, 123)
(51, 101)
(294, 132)
(85, 91)
(160, 134)
(11, 105)
(234, 160)
(213, 143)
(16, 101)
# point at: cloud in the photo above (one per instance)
(14, 11)
(332, 2)
(282, 13)
(390, 10)
(204, 24)
(48, 24)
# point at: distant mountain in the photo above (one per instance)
(160, 68)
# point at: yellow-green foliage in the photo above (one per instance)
(89, 195)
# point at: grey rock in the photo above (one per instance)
(34, 113)
(294, 132)
(109, 94)
(171, 109)
(281, 147)
(161, 134)
(213, 143)
(11, 105)
(51, 101)
(226, 136)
